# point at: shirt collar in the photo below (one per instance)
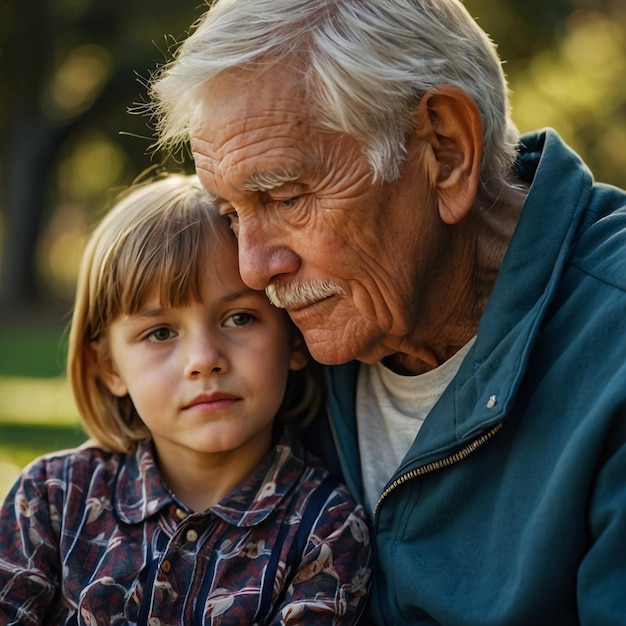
(140, 491)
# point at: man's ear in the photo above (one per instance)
(105, 369)
(449, 122)
(299, 353)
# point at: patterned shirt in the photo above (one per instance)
(91, 537)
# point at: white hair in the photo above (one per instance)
(364, 63)
(295, 295)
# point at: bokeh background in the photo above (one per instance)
(72, 83)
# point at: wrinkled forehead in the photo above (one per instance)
(246, 99)
(251, 134)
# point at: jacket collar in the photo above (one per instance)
(140, 491)
(531, 270)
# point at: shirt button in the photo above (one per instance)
(192, 535)
(166, 566)
(180, 514)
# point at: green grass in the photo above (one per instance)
(37, 413)
(21, 443)
(36, 416)
(33, 351)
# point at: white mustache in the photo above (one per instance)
(298, 295)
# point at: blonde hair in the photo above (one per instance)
(160, 233)
(364, 64)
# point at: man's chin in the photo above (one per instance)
(326, 349)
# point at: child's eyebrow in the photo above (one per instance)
(246, 292)
(148, 312)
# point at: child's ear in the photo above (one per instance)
(299, 353)
(106, 370)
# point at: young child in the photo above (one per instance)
(190, 504)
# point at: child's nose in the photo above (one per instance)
(205, 357)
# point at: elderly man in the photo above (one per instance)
(466, 287)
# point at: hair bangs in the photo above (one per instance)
(170, 261)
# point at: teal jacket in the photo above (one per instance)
(510, 506)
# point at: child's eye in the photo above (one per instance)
(160, 334)
(238, 319)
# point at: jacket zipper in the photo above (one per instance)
(459, 455)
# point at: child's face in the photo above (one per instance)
(207, 377)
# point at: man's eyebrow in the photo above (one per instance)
(264, 181)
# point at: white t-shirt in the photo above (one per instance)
(390, 410)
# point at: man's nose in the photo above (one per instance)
(264, 254)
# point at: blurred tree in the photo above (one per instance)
(566, 63)
(69, 73)
(72, 68)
